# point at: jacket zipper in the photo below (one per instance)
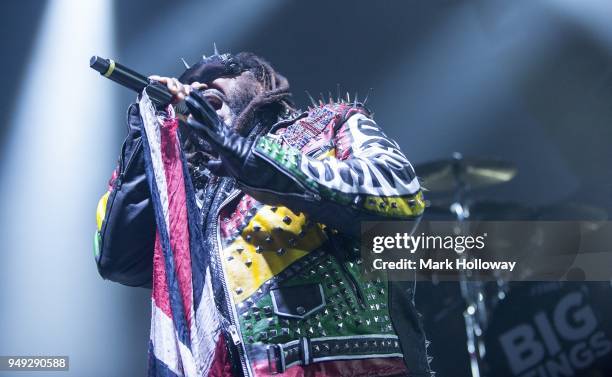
(126, 165)
(337, 253)
(232, 328)
(353, 282)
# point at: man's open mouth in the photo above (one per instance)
(214, 98)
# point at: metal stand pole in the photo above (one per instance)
(475, 314)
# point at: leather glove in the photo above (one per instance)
(236, 157)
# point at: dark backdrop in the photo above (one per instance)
(526, 81)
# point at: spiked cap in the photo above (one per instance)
(211, 68)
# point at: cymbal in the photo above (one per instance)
(446, 174)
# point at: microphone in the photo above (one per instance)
(159, 94)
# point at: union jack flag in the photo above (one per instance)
(185, 328)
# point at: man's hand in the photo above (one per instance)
(234, 150)
(237, 155)
(179, 91)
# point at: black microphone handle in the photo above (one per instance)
(128, 78)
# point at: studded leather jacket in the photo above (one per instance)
(286, 270)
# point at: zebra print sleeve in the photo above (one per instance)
(369, 173)
(367, 162)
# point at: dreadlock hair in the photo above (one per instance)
(269, 104)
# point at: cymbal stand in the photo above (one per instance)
(475, 314)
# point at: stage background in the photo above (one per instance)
(525, 81)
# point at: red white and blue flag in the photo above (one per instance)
(185, 328)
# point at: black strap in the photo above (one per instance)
(304, 350)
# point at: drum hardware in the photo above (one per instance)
(459, 176)
(451, 182)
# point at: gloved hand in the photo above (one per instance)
(235, 155)
(258, 173)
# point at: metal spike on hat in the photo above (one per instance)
(185, 63)
(215, 48)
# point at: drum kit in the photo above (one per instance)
(451, 185)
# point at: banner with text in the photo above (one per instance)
(488, 250)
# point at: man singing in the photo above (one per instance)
(278, 197)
